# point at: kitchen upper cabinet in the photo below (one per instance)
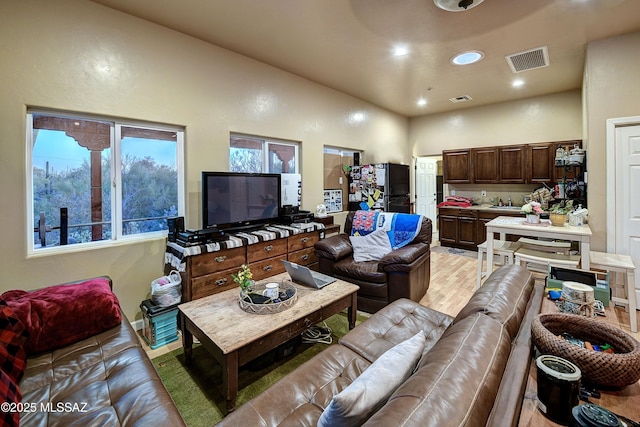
(485, 165)
(508, 164)
(456, 165)
(512, 164)
(541, 157)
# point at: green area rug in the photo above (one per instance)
(197, 388)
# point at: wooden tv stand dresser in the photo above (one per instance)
(207, 269)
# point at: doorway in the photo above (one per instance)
(429, 187)
(623, 169)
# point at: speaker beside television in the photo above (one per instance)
(175, 225)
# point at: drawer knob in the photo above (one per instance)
(222, 258)
(267, 268)
(304, 239)
(307, 323)
(268, 248)
(221, 282)
(305, 257)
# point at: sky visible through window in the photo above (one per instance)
(63, 152)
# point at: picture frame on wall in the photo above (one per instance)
(333, 200)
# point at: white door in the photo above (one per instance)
(426, 171)
(623, 197)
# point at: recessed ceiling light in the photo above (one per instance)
(422, 102)
(400, 51)
(466, 58)
(517, 83)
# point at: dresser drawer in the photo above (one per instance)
(210, 284)
(213, 262)
(302, 241)
(303, 257)
(267, 267)
(264, 250)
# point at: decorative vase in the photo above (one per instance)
(533, 219)
(558, 219)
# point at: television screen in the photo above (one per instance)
(237, 200)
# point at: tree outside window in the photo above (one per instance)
(108, 179)
(261, 155)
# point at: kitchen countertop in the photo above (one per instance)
(486, 208)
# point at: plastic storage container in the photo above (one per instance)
(160, 324)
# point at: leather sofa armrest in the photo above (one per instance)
(334, 247)
(405, 255)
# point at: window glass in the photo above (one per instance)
(82, 192)
(149, 177)
(247, 154)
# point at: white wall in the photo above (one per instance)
(79, 56)
(554, 117)
(612, 90)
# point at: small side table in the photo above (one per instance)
(620, 264)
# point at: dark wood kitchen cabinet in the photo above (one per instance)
(541, 158)
(448, 227)
(466, 228)
(456, 165)
(457, 228)
(512, 162)
(485, 163)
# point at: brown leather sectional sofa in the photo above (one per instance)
(473, 369)
(104, 380)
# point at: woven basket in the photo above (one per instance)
(557, 219)
(605, 369)
(270, 308)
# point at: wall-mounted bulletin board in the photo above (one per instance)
(333, 200)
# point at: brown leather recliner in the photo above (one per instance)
(403, 273)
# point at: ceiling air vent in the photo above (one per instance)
(463, 98)
(528, 60)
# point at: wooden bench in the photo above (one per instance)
(619, 264)
(524, 256)
(545, 245)
(502, 248)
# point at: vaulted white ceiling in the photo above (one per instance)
(347, 44)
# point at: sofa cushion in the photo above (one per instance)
(369, 391)
(364, 271)
(299, 398)
(108, 377)
(60, 315)
(371, 247)
(504, 296)
(392, 325)
(456, 381)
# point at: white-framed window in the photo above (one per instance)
(255, 154)
(93, 181)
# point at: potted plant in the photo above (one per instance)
(532, 210)
(558, 213)
(244, 279)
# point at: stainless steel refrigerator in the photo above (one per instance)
(382, 186)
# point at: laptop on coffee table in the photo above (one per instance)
(305, 276)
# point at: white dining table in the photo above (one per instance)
(505, 225)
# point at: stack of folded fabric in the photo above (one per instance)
(463, 202)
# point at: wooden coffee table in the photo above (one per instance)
(235, 337)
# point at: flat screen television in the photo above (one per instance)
(237, 201)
